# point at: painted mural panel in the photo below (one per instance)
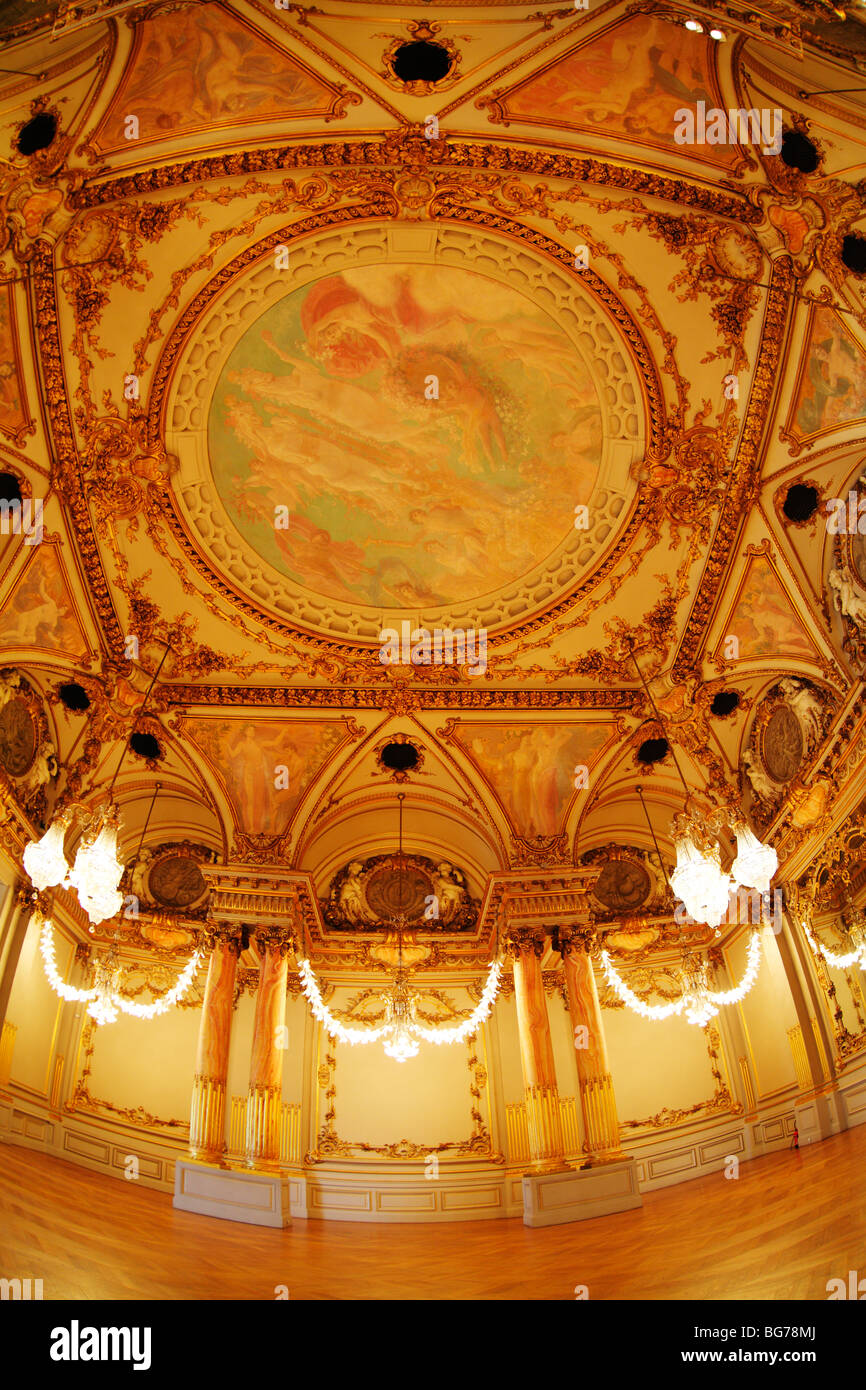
(532, 767)
(13, 410)
(40, 611)
(630, 81)
(833, 385)
(248, 753)
(418, 422)
(200, 67)
(763, 621)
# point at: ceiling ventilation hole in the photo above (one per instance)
(422, 61)
(74, 696)
(145, 745)
(799, 152)
(652, 750)
(801, 502)
(10, 488)
(37, 134)
(399, 757)
(854, 253)
(725, 702)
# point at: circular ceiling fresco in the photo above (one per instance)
(429, 431)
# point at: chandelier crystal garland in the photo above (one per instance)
(857, 937)
(104, 999)
(697, 1001)
(400, 1029)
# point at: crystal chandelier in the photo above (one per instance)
(699, 880)
(104, 999)
(697, 1001)
(97, 870)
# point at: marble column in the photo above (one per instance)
(266, 1066)
(208, 1112)
(597, 1100)
(541, 1096)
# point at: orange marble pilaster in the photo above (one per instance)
(208, 1109)
(266, 1065)
(597, 1100)
(541, 1096)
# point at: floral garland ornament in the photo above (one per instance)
(697, 1001)
(400, 1030)
(104, 998)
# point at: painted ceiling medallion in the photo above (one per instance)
(490, 369)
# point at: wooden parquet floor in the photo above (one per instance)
(790, 1222)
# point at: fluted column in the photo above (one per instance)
(266, 1065)
(541, 1096)
(597, 1099)
(208, 1112)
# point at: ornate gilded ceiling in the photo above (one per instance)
(297, 350)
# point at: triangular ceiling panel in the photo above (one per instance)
(831, 384)
(531, 767)
(763, 619)
(202, 67)
(629, 81)
(40, 612)
(248, 756)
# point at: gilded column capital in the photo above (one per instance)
(523, 940)
(566, 940)
(215, 934)
(276, 940)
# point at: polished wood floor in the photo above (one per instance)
(789, 1223)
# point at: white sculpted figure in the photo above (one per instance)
(846, 599)
(43, 769)
(804, 703)
(761, 783)
(352, 902)
(9, 685)
(449, 891)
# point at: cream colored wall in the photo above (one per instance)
(35, 1009)
(767, 1013)
(147, 1063)
(656, 1065)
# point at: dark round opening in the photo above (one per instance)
(801, 502)
(145, 745)
(652, 750)
(798, 152)
(854, 252)
(38, 133)
(725, 701)
(74, 696)
(10, 488)
(400, 757)
(422, 62)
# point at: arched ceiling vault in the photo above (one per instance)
(299, 354)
